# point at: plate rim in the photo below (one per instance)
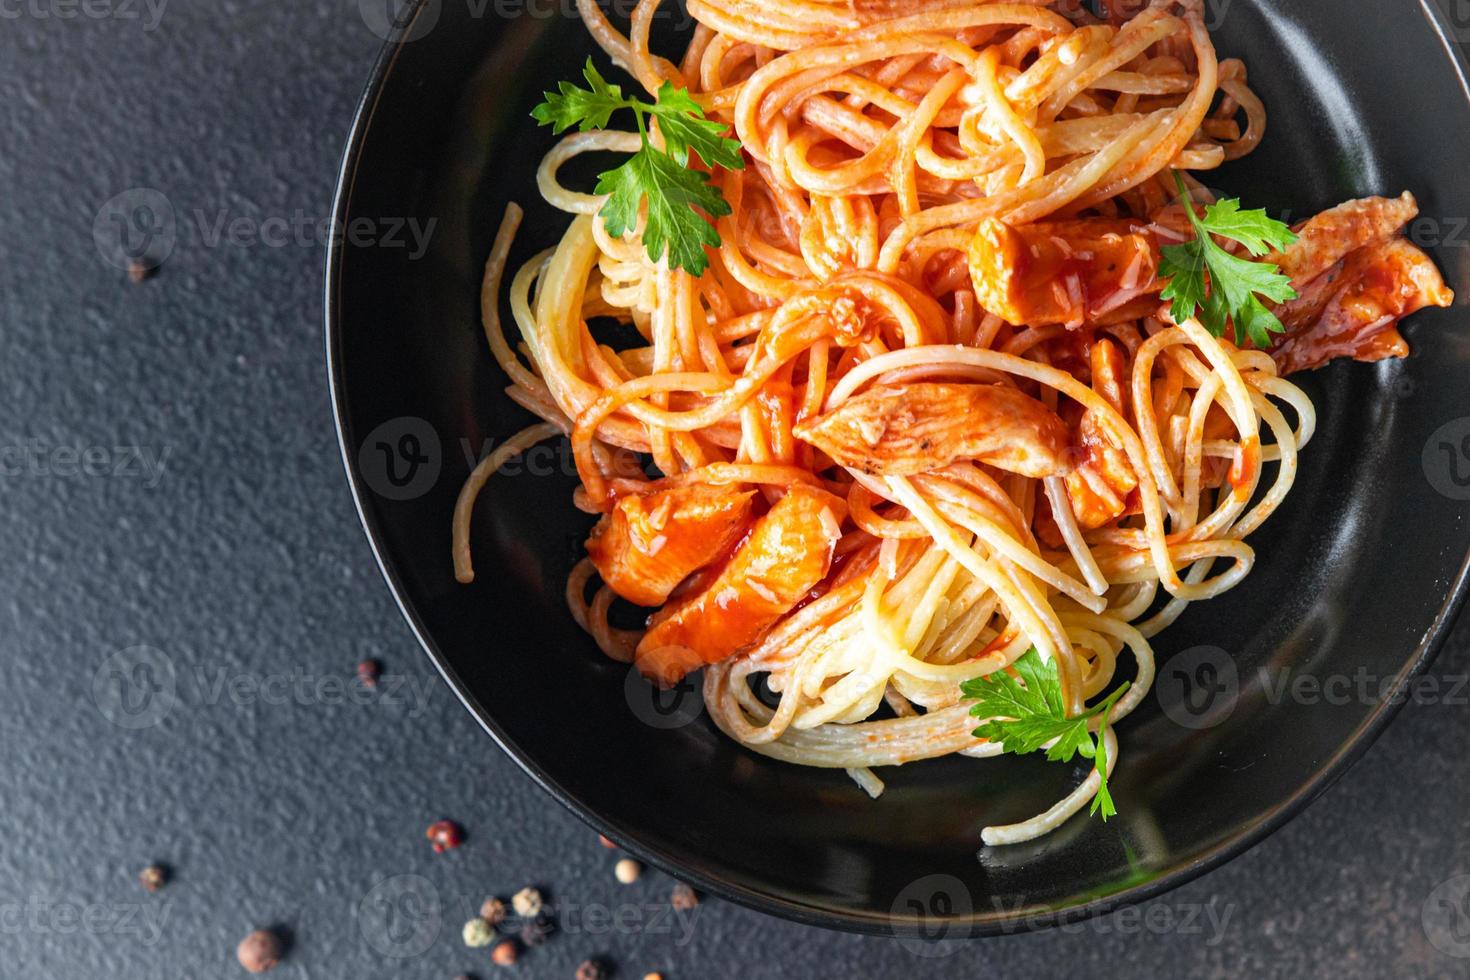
(970, 927)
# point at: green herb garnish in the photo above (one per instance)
(676, 192)
(1025, 712)
(1235, 284)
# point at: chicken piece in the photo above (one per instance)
(1093, 270)
(788, 552)
(1326, 239)
(1101, 488)
(651, 543)
(1353, 309)
(1109, 372)
(897, 430)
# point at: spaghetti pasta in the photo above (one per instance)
(944, 475)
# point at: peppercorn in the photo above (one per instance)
(537, 930)
(493, 911)
(138, 270)
(653, 976)
(527, 902)
(505, 952)
(684, 898)
(260, 951)
(606, 843)
(477, 933)
(591, 970)
(368, 672)
(445, 835)
(627, 871)
(153, 877)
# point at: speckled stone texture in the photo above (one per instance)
(228, 579)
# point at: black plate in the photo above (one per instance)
(1358, 575)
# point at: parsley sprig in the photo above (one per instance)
(1235, 284)
(1025, 712)
(676, 192)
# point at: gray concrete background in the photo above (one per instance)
(206, 519)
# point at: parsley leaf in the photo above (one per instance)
(682, 124)
(680, 199)
(1025, 712)
(588, 108)
(1235, 284)
(673, 192)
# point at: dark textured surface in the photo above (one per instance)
(274, 797)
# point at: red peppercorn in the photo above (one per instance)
(591, 970)
(493, 911)
(684, 897)
(606, 843)
(260, 951)
(445, 835)
(153, 877)
(368, 672)
(505, 952)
